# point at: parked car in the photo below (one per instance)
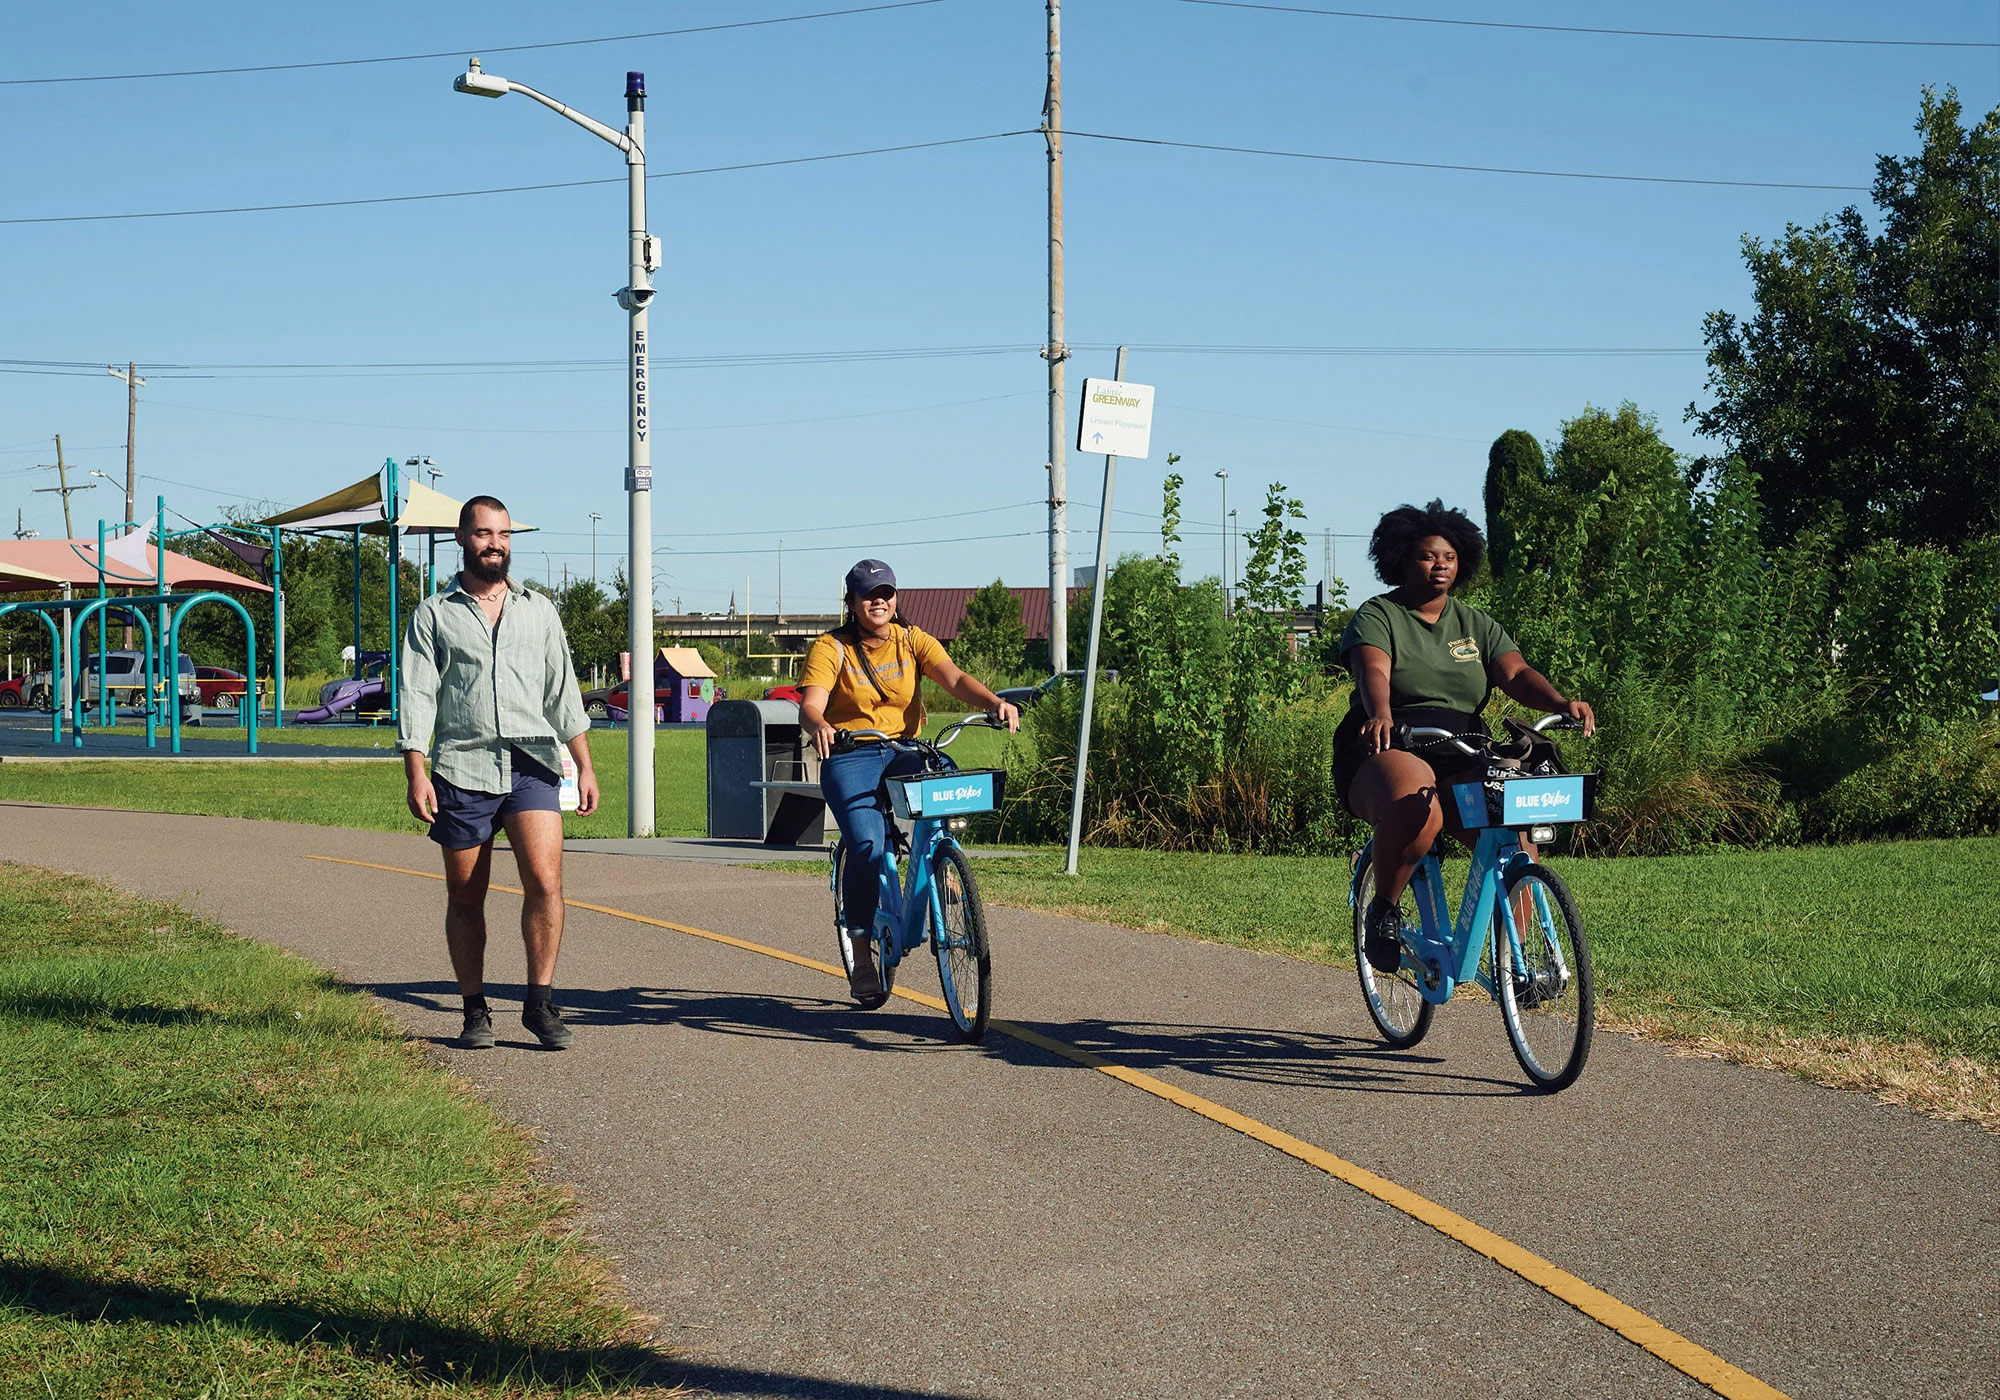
(786, 692)
(125, 677)
(1022, 696)
(14, 693)
(218, 684)
(39, 689)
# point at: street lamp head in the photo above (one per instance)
(479, 84)
(1223, 473)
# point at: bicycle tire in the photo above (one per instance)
(964, 957)
(1394, 1000)
(840, 933)
(1548, 1003)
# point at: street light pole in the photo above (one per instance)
(643, 257)
(1222, 475)
(594, 518)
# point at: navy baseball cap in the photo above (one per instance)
(867, 576)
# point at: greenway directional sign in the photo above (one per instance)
(1117, 418)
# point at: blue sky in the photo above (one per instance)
(921, 249)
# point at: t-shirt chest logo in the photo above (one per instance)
(1464, 649)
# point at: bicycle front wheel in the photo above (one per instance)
(1395, 1001)
(1542, 966)
(965, 962)
(840, 933)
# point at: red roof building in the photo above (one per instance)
(941, 611)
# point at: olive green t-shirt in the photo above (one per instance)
(1442, 664)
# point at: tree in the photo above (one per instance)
(1516, 476)
(993, 630)
(1869, 378)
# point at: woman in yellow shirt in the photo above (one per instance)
(866, 675)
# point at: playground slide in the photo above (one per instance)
(349, 697)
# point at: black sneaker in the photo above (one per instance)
(542, 1018)
(478, 1031)
(1383, 936)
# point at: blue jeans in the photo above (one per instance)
(849, 781)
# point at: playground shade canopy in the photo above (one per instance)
(17, 573)
(362, 506)
(52, 563)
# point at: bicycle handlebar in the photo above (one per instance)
(986, 719)
(1406, 734)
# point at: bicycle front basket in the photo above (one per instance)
(1525, 802)
(947, 794)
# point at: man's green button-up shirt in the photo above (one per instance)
(471, 693)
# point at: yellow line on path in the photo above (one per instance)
(1729, 1381)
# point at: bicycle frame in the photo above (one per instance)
(904, 901)
(1450, 952)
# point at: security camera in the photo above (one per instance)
(634, 298)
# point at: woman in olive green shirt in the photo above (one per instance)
(1420, 657)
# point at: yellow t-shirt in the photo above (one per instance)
(899, 660)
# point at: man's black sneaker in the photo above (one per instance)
(542, 1018)
(1383, 936)
(478, 1031)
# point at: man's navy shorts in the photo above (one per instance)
(466, 818)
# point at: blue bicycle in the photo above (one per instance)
(1536, 964)
(935, 899)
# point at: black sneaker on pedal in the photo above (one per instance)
(1383, 936)
(864, 980)
(545, 1022)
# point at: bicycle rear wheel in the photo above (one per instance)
(887, 972)
(1395, 1001)
(965, 962)
(1543, 972)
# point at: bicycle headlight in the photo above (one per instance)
(1541, 835)
(956, 823)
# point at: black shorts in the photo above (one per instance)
(466, 818)
(1349, 751)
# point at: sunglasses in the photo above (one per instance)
(884, 594)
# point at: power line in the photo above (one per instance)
(470, 48)
(688, 428)
(1442, 165)
(842, 548)
(1585, 29)
(510, 189)
(932, 145)
(762, 359)
(788, 531)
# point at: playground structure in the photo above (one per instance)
(385, 504)
(158, 615)
(380, 504)
(363, 695)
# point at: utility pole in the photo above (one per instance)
(1055, 352)
(61, 469)
(21, 530)
(133, 383)
(781, 584)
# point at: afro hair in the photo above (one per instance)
(1399, 532)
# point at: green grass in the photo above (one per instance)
(370, 797)
(1896, 942)
(227, 1176)
(365, 795)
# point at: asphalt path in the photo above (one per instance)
(818, 1201)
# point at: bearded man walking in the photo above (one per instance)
(489, 692)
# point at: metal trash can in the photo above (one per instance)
(753, 742)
